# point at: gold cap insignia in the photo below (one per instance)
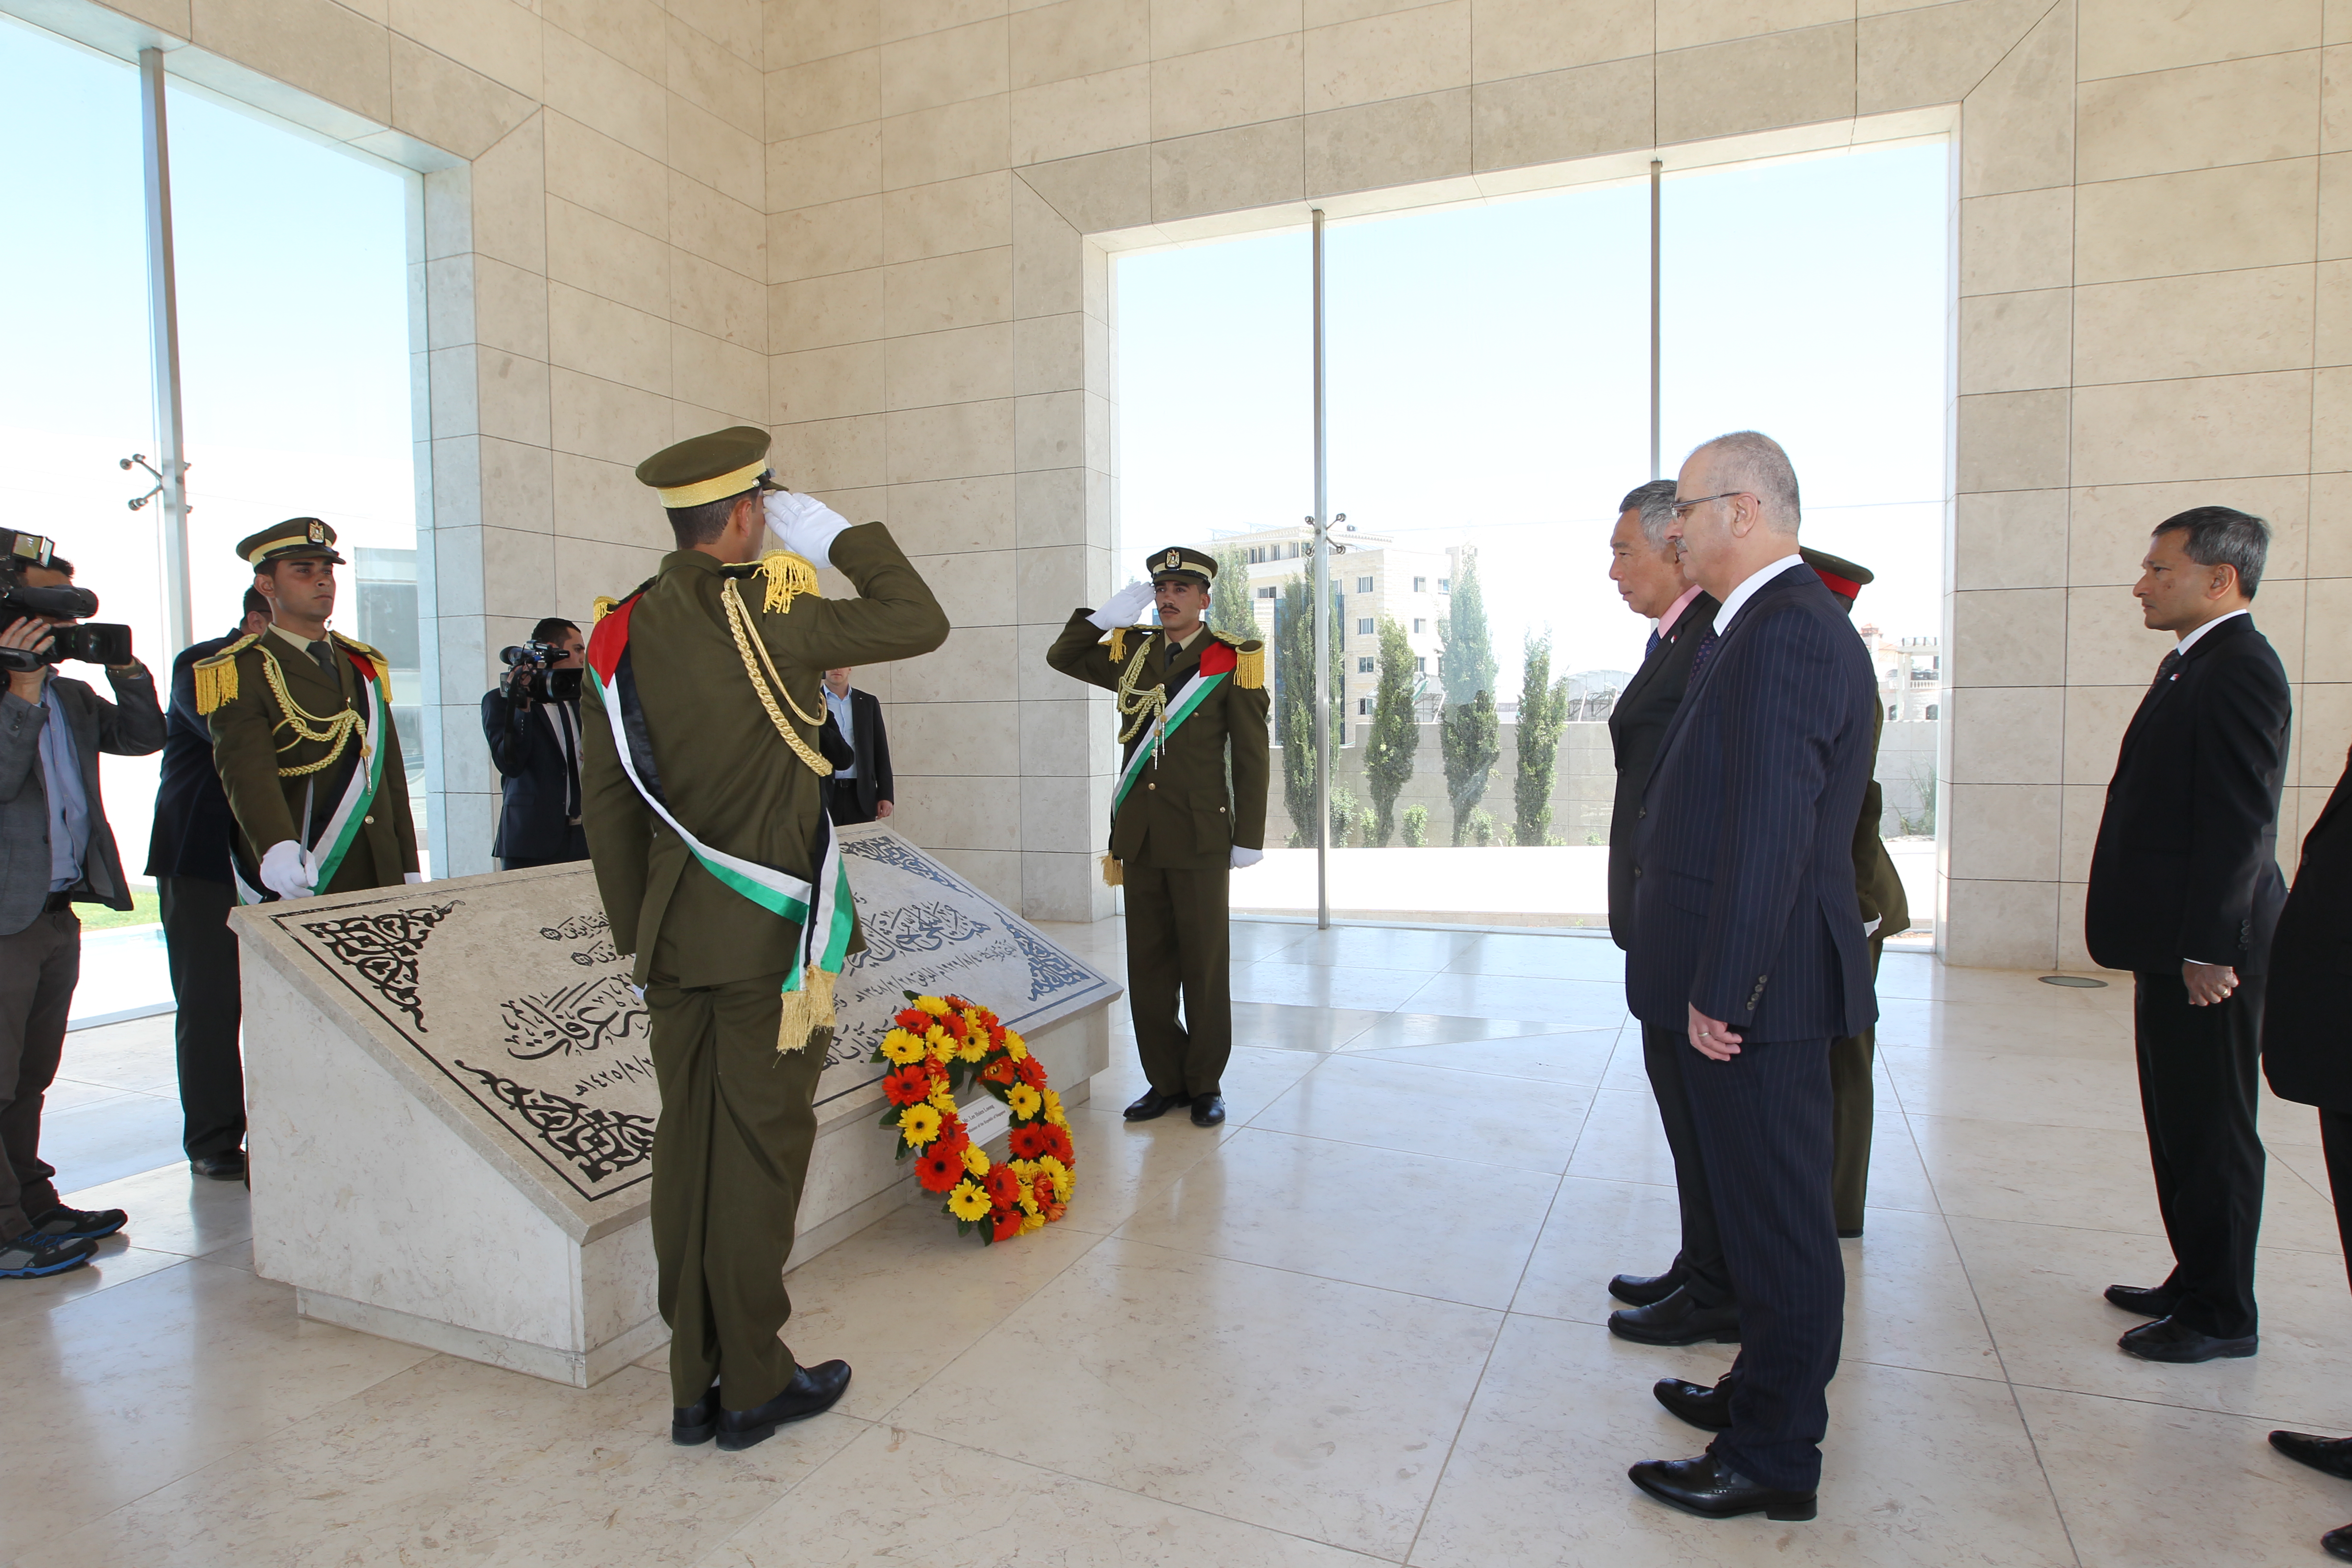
(318, 532)
(1172, 560)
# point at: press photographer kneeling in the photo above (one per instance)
(532, 721)
(55, 849)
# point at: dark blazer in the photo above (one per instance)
(1743, 841)
(2304, 1051)
(2186, 866)
(193, 824)
(1637, 723)
(533, 778)
(130, 726)
(872, 744)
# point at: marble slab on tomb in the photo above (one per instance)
(452, 1102)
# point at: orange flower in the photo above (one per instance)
(1007, 1225)
(906, 1086)
(914, 1021)
(1058, 1143)
(938, 1169)
(1001, 1070)
(1030, 1072)
(1003, 1187)
(1030, 1140)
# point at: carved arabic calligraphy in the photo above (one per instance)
(383, 948)
(583, 1017)
(598, 1141)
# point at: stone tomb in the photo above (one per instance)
(452, 1103)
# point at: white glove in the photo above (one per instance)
(1126, 607)
(1246, 857)
(283, 871)
(803, 525)
(412, 878)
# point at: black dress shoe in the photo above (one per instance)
(1704, 1487)
(1707, 1410)
(1208, 1110)
(2148, 1300)
(692, 1424)
(1853, 1235)
(1678, 1319)
(2338, 1543)
(813, 1391)
(228, 1167)
(1641, 1289)
(2331, 1455)
(2170, 1339)
(1152, 1103)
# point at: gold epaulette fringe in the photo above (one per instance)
(808, 1012)
(1118, 644)
(1249, 667)
(216, 677)
(1114, 874)
(789, 575)
(601, 607)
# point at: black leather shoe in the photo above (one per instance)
(813, 1391)
(1153, 1103)
(694, 1423)
(2170, 1339)
(228, 1167)
(2338, 1543)
(1706, 1408)
(1705, 1488)
(1641, 1289)
(2331, 1455)
(2148, 1300)
(1208, 1110)
(1676, 1320)
(1853, 1235)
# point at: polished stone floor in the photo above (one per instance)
(1361, 1323)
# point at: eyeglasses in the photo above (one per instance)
(1683, 508)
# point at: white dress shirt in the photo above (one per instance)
(1736, 600)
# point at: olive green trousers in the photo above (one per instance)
(730, 1152)
(1851, 1107)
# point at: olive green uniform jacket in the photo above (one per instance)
(253, 743)
(725, 772)
(1875, 883)
(1180, 815)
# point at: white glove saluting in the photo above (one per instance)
(803, 525)
(283, 872)
(1242, 856)
(1126, 607)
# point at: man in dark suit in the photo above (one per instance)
(2185, 890)
(1692, 1299)
(1745, 936)
(533, 728)
(2305, 1058)
(187, 853)
(864, 791)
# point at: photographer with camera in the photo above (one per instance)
(325, 809)
(533, 722)
(56, 849)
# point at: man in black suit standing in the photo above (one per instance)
(2305, 1058)
(1692, 1299)
(864, 791)
(187, 853)
(2185, 891)
(532, 723)
(1745, 936)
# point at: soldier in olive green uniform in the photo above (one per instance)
(714, 785)
(302, 735)
(1885, 912)
(1192, 707)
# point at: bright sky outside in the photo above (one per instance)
(1489, 379)
(294, 347)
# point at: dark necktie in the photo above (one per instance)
(1705, 652)
(1651, 647)
(325, 654)
(567, 727)
(2164, 668)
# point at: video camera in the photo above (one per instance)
(91, 643)
(529, 670)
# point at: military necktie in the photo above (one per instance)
(324, 652)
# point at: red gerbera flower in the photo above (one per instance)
(995, 1032)
(938, 1169)
(1008, 1225)
(914, 1021)
(1003, 1186)
(1029, 1140)
(956, 1027)
(1001, 1070)
(1057, 1141)
(1030, 1072)
(907, 1086)
(952, 1128)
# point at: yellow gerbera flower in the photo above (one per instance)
(935, 1006)
(1029, 1200)
(1026, 1101)
(1051, 1166)
(937, 1043)
(974, 1046)
(943, 1097)
(1054, 1112)
(1016, 1047)
(976, 1159)
(968, 1202)
(919, 1124)
(1064, 1185)
(1024, 1169)
(1031, 1221)
(902, 1047)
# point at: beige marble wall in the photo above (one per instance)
(882, 228)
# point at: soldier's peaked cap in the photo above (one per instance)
(710, 467)
(1840, 576)
(295, 539)
(1182, 561)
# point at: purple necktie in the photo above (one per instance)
(1705, 652)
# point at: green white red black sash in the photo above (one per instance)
(358, 793)
(1188, 701)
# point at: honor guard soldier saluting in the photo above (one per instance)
(1189, 700)
(702, 783)
(302, 735)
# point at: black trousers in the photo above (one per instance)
(1763, 1120)
(39, 967)
(203, 956)
(2200, 1071)
(841, 803)
(575, 847)
(1180, 939)
(2336, 1137)
(1700, 1263)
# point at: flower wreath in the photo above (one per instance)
(937, 1046)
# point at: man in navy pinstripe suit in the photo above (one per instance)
(1746, 937)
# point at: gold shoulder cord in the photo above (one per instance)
(738, 621)
(1143, 707)
(306, 725)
